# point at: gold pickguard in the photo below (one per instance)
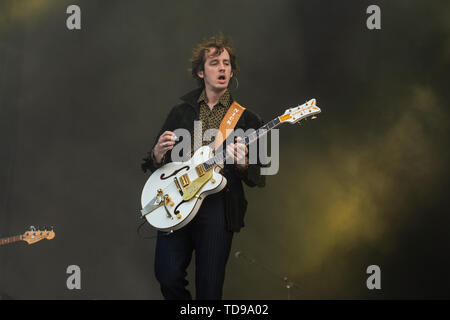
(194, 187)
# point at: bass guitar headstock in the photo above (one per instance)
(33, 235)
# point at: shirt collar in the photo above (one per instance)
(224, 100)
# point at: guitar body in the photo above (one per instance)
(178, 212)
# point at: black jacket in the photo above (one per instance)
(183, 116)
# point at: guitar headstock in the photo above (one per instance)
(308, 109)
(33, 235)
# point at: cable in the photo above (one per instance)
(152, 237)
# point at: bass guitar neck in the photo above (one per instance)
(9, 240)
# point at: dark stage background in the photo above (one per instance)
(367, 183)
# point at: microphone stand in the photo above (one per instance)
(287, 283)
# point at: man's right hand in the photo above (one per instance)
(165, 143)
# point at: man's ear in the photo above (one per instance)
(200, 74)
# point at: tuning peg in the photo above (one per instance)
(32, 228)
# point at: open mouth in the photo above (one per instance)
(222, 78)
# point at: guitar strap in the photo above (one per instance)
(228, 123)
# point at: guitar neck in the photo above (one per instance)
(4, 241)
(262, 131)
(219, 158)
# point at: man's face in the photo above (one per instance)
(217, 70)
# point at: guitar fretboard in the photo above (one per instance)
(219, 158)
(10, 240)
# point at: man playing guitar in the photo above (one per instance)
(211, 231)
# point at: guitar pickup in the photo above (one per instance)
(184, 179)
(200, 170)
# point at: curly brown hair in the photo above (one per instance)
(198, 58)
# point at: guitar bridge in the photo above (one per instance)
(177, 184)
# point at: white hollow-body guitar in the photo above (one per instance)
(174, 193)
